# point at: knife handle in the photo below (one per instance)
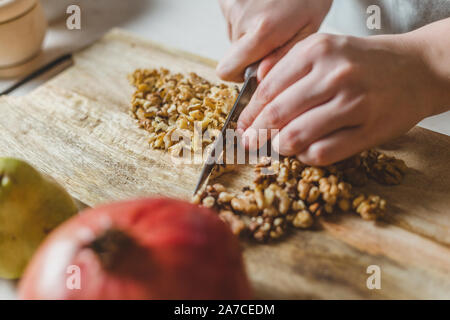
(251, 71)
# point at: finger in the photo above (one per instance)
(302, 57)
(288, 71)
(312, 125)
(271, 60)
(337, 146)
(248, 49)
(313, 90)
(295, 100)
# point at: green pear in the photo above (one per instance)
(31, 205)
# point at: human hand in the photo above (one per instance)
(266, 29)
(333, 96)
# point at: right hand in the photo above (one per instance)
(266, 30)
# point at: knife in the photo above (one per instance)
(58, 60)
(248, 89)
(38, 72)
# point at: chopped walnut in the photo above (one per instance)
(244, 206)
(288, 193)
(169, 106)
(209, 202)
(236, 224)
(303, 220)
(265, 228)
(382, 168)
(370, 207)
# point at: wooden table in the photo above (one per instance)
(77, 128)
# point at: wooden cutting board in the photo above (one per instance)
(77, 128)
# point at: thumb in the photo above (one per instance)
(244, 52)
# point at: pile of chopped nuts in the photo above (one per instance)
(169, 105)
(289, 193)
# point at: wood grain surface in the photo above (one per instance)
(77, 128)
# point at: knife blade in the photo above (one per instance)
(248, 89)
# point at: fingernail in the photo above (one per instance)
(221, 69)
(305, 158)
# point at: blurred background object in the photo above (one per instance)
(22, 31)
(196, 26)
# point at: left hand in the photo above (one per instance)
(333, 96)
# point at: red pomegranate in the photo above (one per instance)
(144, 249)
